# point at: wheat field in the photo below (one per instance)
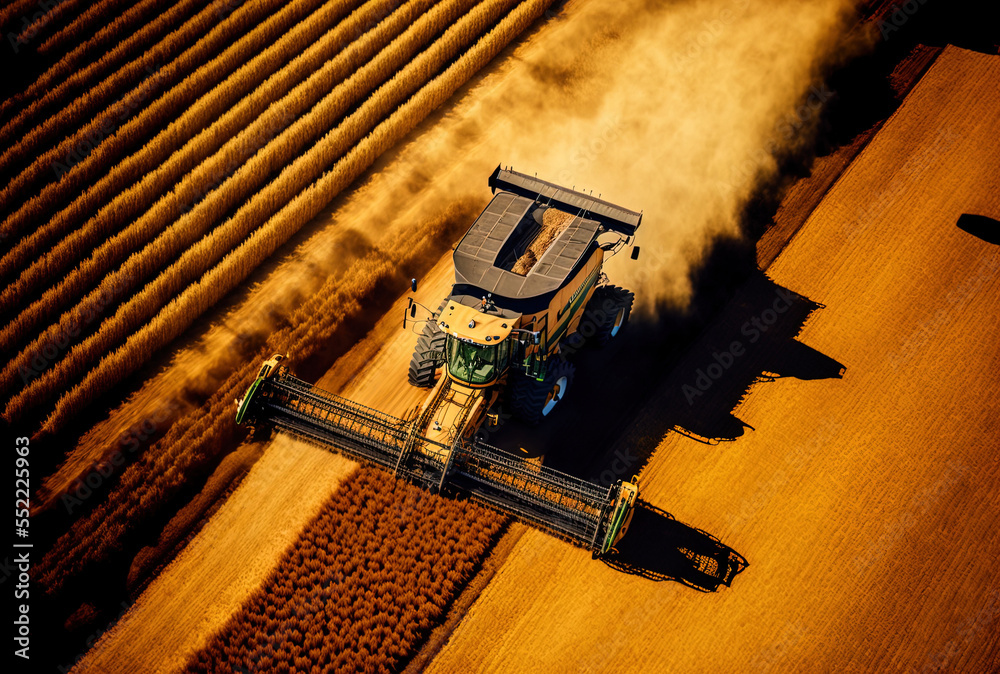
(188, 187)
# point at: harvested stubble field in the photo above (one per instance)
(171, 218)
(865, 504)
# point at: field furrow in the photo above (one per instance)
(170, 632)
(85, 66)
(141, 307)
(804, 392)
(195, 440)
(79, 158)
(11, 13)
(116, 92)
(50, 20)
(82, 27)
(215, 118)
(200, 82)
(145, 487)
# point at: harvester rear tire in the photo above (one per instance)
(531, 400)
(620, 300)
(423, 369)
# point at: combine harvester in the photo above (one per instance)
(527, 274)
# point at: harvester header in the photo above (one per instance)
(590, 515)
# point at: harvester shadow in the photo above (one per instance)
(753, 340)
(666, 377)
(980, 226)
(660, 548)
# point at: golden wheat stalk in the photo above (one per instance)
(52, 19)
(148, 483)
(424, 549)
(186, 78)
(72, 73)
(82, 25)
(10, 13)
(198, 258)
(219, 115)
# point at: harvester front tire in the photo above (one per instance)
(533, 400)
(614, 305)
(423, 368)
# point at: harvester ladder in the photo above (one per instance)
(421, 422)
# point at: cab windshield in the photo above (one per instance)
(475, 363)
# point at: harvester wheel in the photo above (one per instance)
(422, 365)
(533, 400)
(614, 305)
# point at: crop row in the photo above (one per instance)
(68, 19)
(47, 21)
(193, 441)
(82, 26)
(9, 13)
(72, 74)
(362, 587)
(225, 111)
(197, 68)
(136, 313)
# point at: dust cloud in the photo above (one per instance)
(674, 108)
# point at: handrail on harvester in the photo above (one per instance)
(609, 215)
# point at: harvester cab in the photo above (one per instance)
(477, 344)
(529, 280)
